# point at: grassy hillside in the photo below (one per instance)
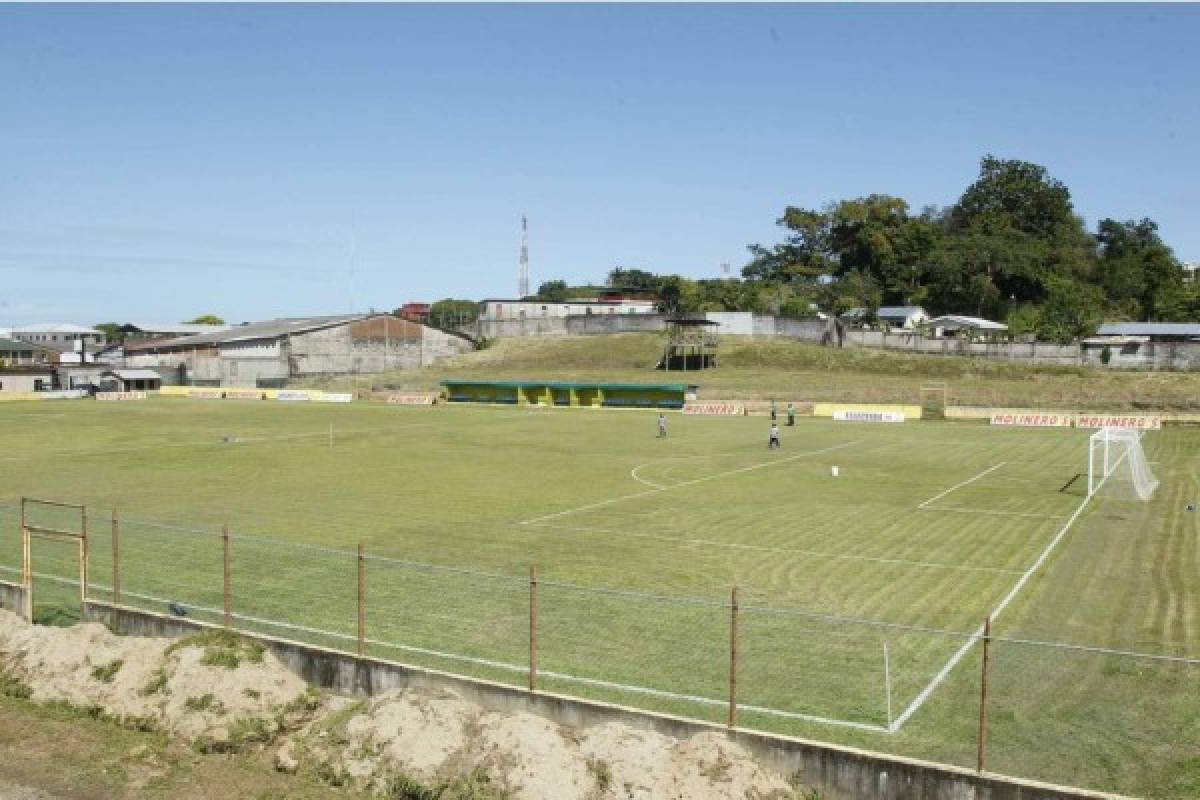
(758, 369)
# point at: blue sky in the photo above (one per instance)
(158, 162)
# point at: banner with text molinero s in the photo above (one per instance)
(294, 395)
(715, 409)
(121, 395)
(412, 399)
(337, 397)
(1137, 422)
(1033, 419)
(864, 415)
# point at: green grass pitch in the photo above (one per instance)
(638, 542)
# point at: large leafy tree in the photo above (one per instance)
(1138, 272)
(1015, 226)
(801, 258)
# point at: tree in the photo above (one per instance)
(803, 256)
(206, 319)
(553, 291)
(1139, 273)
(1072, 309)
(1016, 225)
(112, 331)
(451, 313)
(636, 279)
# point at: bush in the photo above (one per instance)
(106, 672)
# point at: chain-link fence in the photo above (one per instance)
(1107, 718)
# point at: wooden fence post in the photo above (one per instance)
(116, 562)
(225, 567)
(362, 600)
(533, 606)
(733, 620)
(983, 693)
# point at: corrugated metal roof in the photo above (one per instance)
(1149, 329)
(959, 321)
(135, 374)
(271, 329)
(179, 328)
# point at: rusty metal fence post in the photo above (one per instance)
(228, 595)
(116, 560)
(733, 622)
(533, 608)
(983, 693)
(26, 565)
(362, 600)
(83, 560)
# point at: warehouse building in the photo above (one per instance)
(269, 354)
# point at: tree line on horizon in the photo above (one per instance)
(1012, 248)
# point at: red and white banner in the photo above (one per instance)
(715, 409)
(413, 399)
(206, 394)
(1034, 419)
(1134, 422)
(121, 395)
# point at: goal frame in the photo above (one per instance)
(1102, 447)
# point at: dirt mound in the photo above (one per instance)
(214, 686)
(223, 692)
(437, 737)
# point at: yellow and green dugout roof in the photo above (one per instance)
(567, 393)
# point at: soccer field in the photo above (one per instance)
(859, 596)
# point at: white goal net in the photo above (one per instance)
(1116, 459)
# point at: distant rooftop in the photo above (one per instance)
(271, 329)
(178, 328)
(56, 327)
(1177, 329)
(958, 321)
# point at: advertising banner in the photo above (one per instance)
(104, 396)
(1137, 422)
(412, 399)
(1033, 419)
(715, 409)
(858, 415)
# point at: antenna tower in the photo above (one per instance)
(523, 272)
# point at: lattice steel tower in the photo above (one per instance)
(523, 272)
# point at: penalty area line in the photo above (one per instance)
(967, 482)
(924, 694)
(693, 482)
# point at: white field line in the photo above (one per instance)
(924, 694)
(633, 473)
(990, 512)
(693, 482)
(773, 549)
(968, 481)
(216, 442)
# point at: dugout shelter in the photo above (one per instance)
(556, 393)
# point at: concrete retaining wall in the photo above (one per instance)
(839, 772)
(12, 597)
